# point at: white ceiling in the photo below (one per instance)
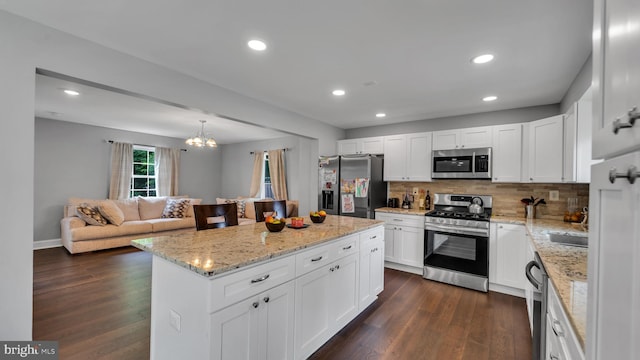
(417, 52)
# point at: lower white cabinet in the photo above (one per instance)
(326, 300)
(561, 340)
(403, 239)
(260, 327)
(371, 268)
(508, 258)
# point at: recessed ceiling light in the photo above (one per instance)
(71, 92)
(381, 115)
(338, 92)
(257, 45)
(481, 59)
(490, 98)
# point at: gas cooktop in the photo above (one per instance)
(451, 214)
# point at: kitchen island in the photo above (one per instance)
(242, 292)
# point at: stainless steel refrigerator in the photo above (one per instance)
(352, 185)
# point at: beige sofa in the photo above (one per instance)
(142, 218)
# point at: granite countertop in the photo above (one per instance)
(215, 251)
(402, 211)
(566, 266)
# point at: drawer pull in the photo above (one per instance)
(316, 259)
(633, 115)
(266, 299)
(397, 220)
(554, 357)
(260, 279)
(557, 328)
(337, 267)
(255, 305)
(374, 237)
(347, 247)
(630, 175)
(332, 269)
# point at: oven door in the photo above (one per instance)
(463, 253)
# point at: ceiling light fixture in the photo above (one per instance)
(201, 139)
(338, 92)
(257, 45)
(71, 92)
(482, 59)
(490, 98)
(381, 115)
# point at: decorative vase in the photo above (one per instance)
(529, 211)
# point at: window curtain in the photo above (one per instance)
(256, 178)
(121, 170)
(278, 174)
(167, 171)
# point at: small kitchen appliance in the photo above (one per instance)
(456, 249)
(462, 164)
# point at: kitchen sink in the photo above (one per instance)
(569, 239)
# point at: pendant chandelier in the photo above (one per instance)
(201, 139)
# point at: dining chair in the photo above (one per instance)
(215, 216)
(266, 208)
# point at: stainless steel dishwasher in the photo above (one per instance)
(539, 281)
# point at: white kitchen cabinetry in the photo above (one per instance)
(477, 137)
(578, 126)
(616, 78)
(404, 241)
(507, 153)
(561, 340)
(507, 258)
(260, 327)
(407, 157)
(545, 150)
(371, 267)
(614, 261)
(370, 145)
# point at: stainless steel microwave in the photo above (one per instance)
(462, 164)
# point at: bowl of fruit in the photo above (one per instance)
(274, 224)
(318, 216)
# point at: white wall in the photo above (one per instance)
(26, 46)
(72, 160)
(579, 85)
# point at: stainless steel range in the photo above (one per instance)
(456, 249)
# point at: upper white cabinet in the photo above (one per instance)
(476, 137)
(407, 157)
(370, 145)
(616, 81)
(507, 153)
(578, 126)
(544, 150)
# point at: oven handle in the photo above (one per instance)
(530, 276)
(467, 231)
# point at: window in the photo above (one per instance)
(266, 190)
(143, 181)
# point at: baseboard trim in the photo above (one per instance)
(506, 290)
(47, 244)
(402, 267)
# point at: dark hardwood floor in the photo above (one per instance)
(97, 306)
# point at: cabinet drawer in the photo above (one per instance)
(344, 247)
(232, 288)
(560, 325)
(314, 258)
(372, 235)
(401, 219)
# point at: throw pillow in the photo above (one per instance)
(91, 215)
(129, 208)
(176, 208)
(110, 211)
(240, 204)
(151, 207)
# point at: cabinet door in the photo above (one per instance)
(584, 137)
(312, 311)
(545, 150)
(477, 137)
(447, 139)
(372, 145)
(347, 147)
(616, 76)
(411, 246)
(511, 255)
(371, 271)
(276, 322)
(395, 158)
(614, 262)
(234, 331)
(344, 291)
(569, 173)
(507, 153)
(418, 153)
(390, 253)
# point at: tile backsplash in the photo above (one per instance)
(506, 196)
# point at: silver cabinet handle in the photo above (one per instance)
(397, 220)
(260, 279)
(255, 305)
(630, 175)
(332, 269)
(347, 247)
(373, 237)
(337, 267)
(554, 357)
(500, 227)
(266, 299)
(632, 114)
(317, 259)
(557, 328)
